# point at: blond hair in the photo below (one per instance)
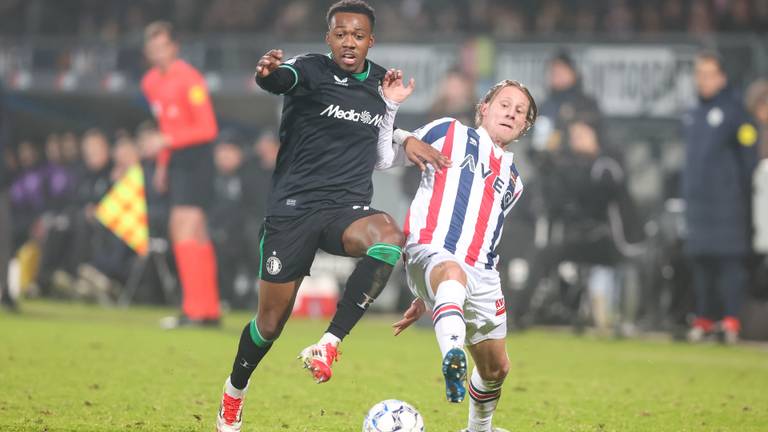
(530, 116)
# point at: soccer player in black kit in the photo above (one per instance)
(321, 193)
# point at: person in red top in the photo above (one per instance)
(179, 100)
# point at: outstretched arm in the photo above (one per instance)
(394, 92)
(395, 145)
(273, 78)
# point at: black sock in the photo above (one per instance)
(250, 351)
(363, 286)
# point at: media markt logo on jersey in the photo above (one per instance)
(352, 115)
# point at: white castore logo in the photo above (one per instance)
(352, 115)
(341, 82)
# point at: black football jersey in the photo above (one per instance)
(328, 135)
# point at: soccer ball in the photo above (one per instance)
(393, 415)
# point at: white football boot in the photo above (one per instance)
(230, 417)
(318, 360)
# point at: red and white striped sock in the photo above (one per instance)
(483, 398)
(448, 315)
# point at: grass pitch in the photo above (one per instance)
(70, 367)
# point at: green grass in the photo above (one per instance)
(70, 367)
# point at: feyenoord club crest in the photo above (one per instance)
(274, 265)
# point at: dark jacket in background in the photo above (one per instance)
(558, 111)
(60, 185)
(717, 178)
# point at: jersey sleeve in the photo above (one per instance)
(293, 75)
(434, 130)
(389, 153)
(202, 126)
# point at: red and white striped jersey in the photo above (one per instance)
(462, 208)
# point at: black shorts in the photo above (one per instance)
(190, 176)
(288, 243)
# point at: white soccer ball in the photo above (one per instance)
(393, 415)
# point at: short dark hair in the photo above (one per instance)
(352, 6)
(157, 28)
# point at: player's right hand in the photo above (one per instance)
(410, 316)
(269, 62)
(393, 87)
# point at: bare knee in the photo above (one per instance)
(393, 236)
(447, 270)
(494, 372)
(270, 326)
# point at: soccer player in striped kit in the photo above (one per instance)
(453, 227)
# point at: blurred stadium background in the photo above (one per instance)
(71, 68)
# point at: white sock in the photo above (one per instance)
(483, 398)
(448, 315)
(329, 338)
(234, 391)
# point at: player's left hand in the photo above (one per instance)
(393, 88)
(410, 316)
(421, 153)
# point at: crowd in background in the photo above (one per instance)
(112, 20)
(63, 251)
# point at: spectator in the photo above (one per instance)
(584, 20)
(700, 19)
(580, 185)
(506, 22)
(455, 97)
(57, 226)
(227, 217)
(70, 151)
(673, 15)
(258, 173)
(760, 16)
(124, 155)
(60, 181)
(234, 15)
(549, 17)
(566, 99)
(717, 188)
(737, 17)
(28, 194)
(619, 19)
(293, 17)
(650, 19)
(90, 237)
